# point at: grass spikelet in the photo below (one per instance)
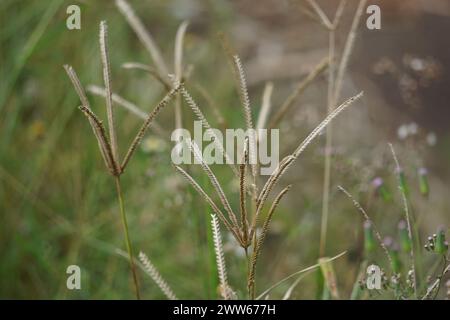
(200, 116)
(104, 54)
(242, 195)
(243, 92)
(245, 102)
(260, 241)
(215, 183)
(205, 196)
(324, 123)
(212, 104)
(289, 160)
(220, 258)
(151, 116)
(102, 139)
(151, 270)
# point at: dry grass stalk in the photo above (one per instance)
(407, 215)
(320, 127)
(205, 196)
(99, 91)
(242, 195)
(289, 291)
(151, 116)
(244, 233)
(289, 160)
(212, 104)
(245, 102)
(225, 290)
(107, 80)
(434, 288)
(328, 146)
(260, 241)
(339, 13)
(348, 48)
(205, 124)
(131, 107)
(328, 138)
(323, 17)
(215, 183)
(367, 218)
(243, 92)
(109, 149)
(300, 88)
(271, 182)
(300, 272)
(334, 91)
(150, 70)
(332, 98)
(178, 54)
(266, 105)
(153, 272)
(96, 124)
(178, 67)
(102, 139)
(144, 36)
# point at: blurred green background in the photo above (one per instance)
(57, 202)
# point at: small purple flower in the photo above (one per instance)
(402, 225)
(388, 241)
(377, 182)
(422, 171)
(367, 224)
(398, 170)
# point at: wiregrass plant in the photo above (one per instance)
(108, 141)
(244, 228)
(253, 194)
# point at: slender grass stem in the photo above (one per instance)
(407, 216)
(328, 145)
(127, 236)
(440, 277)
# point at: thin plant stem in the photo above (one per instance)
(348, 48)
(305, 270)
(407, 216)
(334, 92)
(328, 145)
(259, 242)
(127, 236)
(444, 268)
(367, 218)
(301, 87)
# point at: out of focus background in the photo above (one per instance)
(58, 204)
